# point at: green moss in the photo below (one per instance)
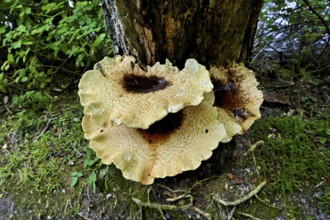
(296, 151)
(39, 145)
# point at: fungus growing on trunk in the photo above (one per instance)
(237, 97)
(161, 122)
(177, 143)
(138, 98)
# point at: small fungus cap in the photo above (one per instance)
(237, 97)
(138, 98)
(177, 143)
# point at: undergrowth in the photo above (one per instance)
(43, 154)
(40, 144)
(296, 152)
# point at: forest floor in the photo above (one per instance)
(47, 170)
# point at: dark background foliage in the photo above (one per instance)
(294, 35)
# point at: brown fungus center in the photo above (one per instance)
(225, 98)
(241, 113)
(143, 84)
(224, 94)
(161, 130)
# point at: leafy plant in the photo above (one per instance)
(88, 161)
(31, 99)
(92, 181)
(75, 177)
(45, 40)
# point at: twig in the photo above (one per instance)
(201, 181)
(68, 202)
(77, 151)
(261, 200)
(318, 15)
(253, 147)
(244, 198)
(267, 44)
(183, 196)
(192, 187)
(43, 130)
(186, 194)
(320, 184)
(162, 214)
(160, 206)
(84, 217)
(205, 214)
(248, 215)
(231, 213)
(318, 70)
(8, 109)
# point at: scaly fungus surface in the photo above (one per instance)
(138, 98)
(177, 143)
(163, 121)
(237, 97)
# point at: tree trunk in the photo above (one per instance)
(213, 32)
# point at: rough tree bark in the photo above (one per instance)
(213, 32)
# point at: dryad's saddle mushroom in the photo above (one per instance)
(237, 97)
(138, 98)
(162, 121)
(177, 143)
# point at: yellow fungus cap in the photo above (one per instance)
(237, 97)
(177, 143)
(138, 98)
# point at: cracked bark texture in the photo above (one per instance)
(214, 32)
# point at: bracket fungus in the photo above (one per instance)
(237, 98)
(163, 121)
(177, 143)
(138, 98)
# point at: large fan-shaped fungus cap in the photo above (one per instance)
(177, 143)
(138, 98)
(237, 97)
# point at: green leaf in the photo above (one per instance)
(323, 140)
(74, 181)
(98, 40)
(327, 131)
(24, 79)
(92, 178)
(21, 28)
(92, 181)
(77, 174)
(7, 67)
(10, 58)
(27, 10)
(40, 29)
(3, 29)
(27, 43)
(17, 44)
(50, 7)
